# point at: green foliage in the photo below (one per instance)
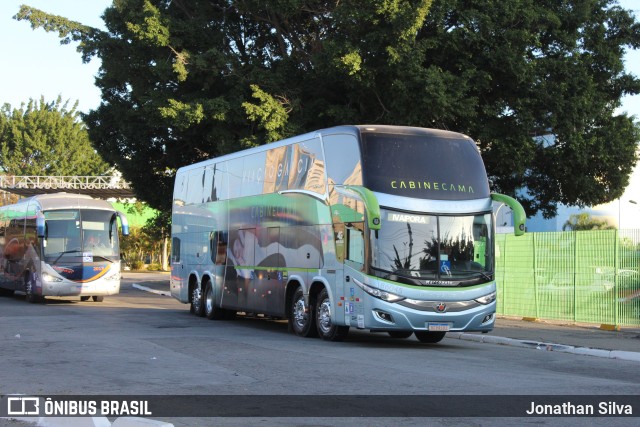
(584, 221)
(46, 139)
(536, 83)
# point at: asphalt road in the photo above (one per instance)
(140, 343)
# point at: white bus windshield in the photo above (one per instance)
(71, 234)
(433, 249)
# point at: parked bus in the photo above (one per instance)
(60, 245)
(383, 228)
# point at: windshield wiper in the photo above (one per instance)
(64, 253)
(402, 273)
(103, 257)
(482, 274)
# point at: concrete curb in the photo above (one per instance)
(586, 351)
(153, 291)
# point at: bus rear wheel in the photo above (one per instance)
(197, 305)
(211, 312)
(326, 328)
(97, 298)
(429, 337)
(84, 298)
(301, 320)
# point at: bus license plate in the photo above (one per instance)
(444, 327)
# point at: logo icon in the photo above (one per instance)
(23, 406)
(441, 307)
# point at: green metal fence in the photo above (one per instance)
(577, 276)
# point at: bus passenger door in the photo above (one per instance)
(178, 279)
(353, 251)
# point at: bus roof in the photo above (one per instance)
(66, 201)
(344, 129)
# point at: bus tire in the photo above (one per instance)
(6, 292)
(211, 312)
(400, 334)
(429, 337)
(197, 306)
(302, 319)
(28, 290)
(97, 298)
(84, 298)
(326, 328)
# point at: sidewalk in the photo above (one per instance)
(564, 337)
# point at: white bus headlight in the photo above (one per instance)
(383, 295)
(50, 278)
(487, 299)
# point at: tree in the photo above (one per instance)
(536, 83)
(584, 221)
(46, 139)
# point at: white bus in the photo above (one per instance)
(60, 245)
(383, 228)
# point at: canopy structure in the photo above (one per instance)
(101, 187)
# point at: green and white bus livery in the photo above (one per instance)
(383, 228)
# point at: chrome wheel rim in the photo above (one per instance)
(209, 302)
(195, 300)
(324, 316)
(300, 313)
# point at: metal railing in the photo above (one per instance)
(97, 186)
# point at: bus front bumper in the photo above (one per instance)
(429, 315)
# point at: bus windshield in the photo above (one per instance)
(432, 250)
(77, 233)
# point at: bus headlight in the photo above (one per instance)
(383, 295)
(487, 299)
(49, 278)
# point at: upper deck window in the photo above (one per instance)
(437, 165)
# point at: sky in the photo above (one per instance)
(34, 64)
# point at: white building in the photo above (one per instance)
(624, 212)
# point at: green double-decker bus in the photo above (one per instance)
(383, 228)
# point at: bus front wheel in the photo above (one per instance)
(326, 328)
(400, 334)
(301, 319)
(429, 337)
(97, 298)
(84, 298)
(28, 290)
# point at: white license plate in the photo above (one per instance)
(432, 326)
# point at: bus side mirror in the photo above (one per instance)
(125, 223)
(40, 224)
(519, 216)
